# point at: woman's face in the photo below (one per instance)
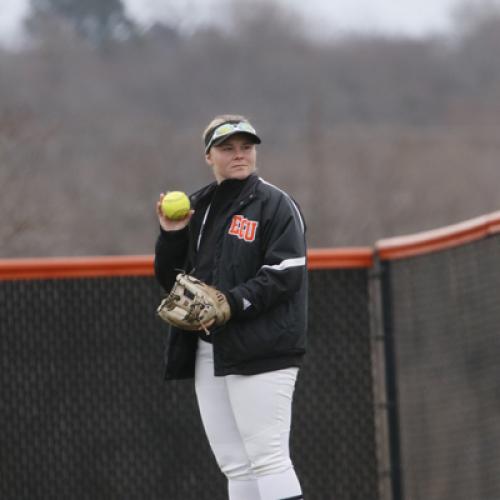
(235, 158)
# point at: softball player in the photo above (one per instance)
(246, 238)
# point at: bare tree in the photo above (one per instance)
(96, 20)
(360, 129)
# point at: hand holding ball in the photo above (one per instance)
(175, 205)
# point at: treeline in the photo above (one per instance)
(375, 136)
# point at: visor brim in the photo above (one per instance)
(220, 140)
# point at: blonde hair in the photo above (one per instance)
(219, 120)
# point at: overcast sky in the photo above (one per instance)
(413, 17)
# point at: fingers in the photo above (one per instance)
(168, 224)
(158, 204)
(206, 326)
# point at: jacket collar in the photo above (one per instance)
(246, 194)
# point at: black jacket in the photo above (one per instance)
(260, 264)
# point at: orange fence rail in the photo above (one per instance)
(321, 258)
(75, 267)
(439, 239)
(142, 265)
(338, 258)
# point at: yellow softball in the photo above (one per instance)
(175, 205)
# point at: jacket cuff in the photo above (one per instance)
(241, 308)
(233, 304)
(172, 235)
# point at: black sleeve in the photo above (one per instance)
(284, 264)
(170, 255)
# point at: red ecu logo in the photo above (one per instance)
(243, 228)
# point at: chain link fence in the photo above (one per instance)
(398, 398)
(442, 322)
(86, 414)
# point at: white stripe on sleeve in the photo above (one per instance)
(285, 264)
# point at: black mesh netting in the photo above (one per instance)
(334, 408)
(85, 413)
(445, 325)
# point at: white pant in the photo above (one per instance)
(247, 421)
